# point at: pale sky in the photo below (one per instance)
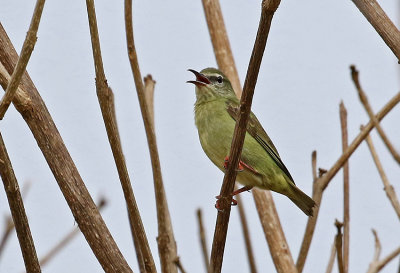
(304, 76)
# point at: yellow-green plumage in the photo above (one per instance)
(216, 109)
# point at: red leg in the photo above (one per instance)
(241, 167)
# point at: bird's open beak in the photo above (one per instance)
(201, 80)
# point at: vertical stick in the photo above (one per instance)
(346, 191)
(203, 241)
(18, 211)
(339, 247)
(166, 240)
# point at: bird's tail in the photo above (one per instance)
(302, 200)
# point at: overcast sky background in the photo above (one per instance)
(304, 76)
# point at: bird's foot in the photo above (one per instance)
(233, 201)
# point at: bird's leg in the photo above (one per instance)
(241, 166)
(233, 201)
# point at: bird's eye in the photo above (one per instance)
(219, 79)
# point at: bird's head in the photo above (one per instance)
(211, 84)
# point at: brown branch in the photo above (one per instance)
(278, 246)
(107, 105)
(246, 234)
(66, 240)
(376, 265)
(364, 100)
(314, 165)
(23, 60)
(338, 245)
(32, 108)
(346, 189)
(267, 11)
(381, 22)
(179, 265)
(390, 192)
(149, 84)
(165, 239)
(18, 211)
(220, 42)
(203, 241)
(323, 181)
(8, 223)
(331, 259)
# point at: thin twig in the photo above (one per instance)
(314, 165)
(323, 181)
(23, 60)
(331, 261)
(106, 101)
(276, 240)
(165, 239)
(390, 192)
(339, 246)
(149, 84)
(32, 108)
(246, 235)
(18, 211)
(381, 22)
(364, 100)
(179, 265)
(67, 239)
(346, 191)
(221, 227)
(8, 223)
(203, 241)
(376, 265)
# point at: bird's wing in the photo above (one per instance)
(255, 129)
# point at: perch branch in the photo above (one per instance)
(165, 239)
(23, 60)
(267, 11)
(149, 85)
(381, 22)
(346, 189)
(364, 100)
(390, 192)
(323, 181)
(203, 241)
(18, 211)
(106, 100)
(32, 108)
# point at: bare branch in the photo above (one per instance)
(364, 100)
(18, 211)
(376, 265)
(346, 189)
(166, 240)
(32, 108)
(246, 234)
(221, 227)
(278, 246)
(390, 192)
(220, 42)
(338, 245)
(323, 181)
(149, 84)
(331, 259)
(106, 101)
(314, 165)
(203, 241)
(23, 60)
(381, 22)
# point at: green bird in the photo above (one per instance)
(216, 111)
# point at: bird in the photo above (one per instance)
(215, 112)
